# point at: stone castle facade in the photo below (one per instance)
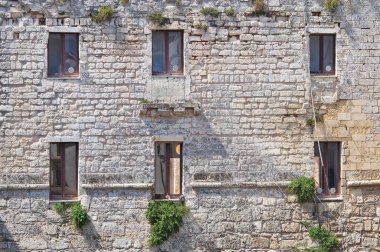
(216, 111)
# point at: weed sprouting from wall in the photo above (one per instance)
(78, 214)
(326, 240)
(304, 187)
(201, 26)
(165, 218)
(331, 5)
(103, 14)
(311, 121)
(229, 11)
(60, 208)
(210, 11)
(157, 18)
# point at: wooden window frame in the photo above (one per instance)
(63, 170)
(325, 191)
(166, 53)
(63, 56)
(167, 175)
(321, 70)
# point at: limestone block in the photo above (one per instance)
(260, 242)
(34, 243)
(246, 37)
(122, 244)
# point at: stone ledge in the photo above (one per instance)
(142, 186)
(167, 110)
(24, 187)
(268, 184)
(358, 183)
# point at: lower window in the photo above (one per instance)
(168, 170)
(63, 171)
(328, 154)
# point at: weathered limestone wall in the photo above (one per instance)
(250, 77)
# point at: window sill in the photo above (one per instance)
(65, 201)
(337, 198)
(166, 76)
(324, 77)
(179, 199)
(63, 78)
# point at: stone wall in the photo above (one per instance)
(240, 107)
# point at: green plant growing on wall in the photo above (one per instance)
(104, 13)
(165, 219)
(311, 121)
(124, 1)
(331, 5)
(209, 11)
(60, 208)
(229, 11)
(258, 8)
(326, 240)
(201, 26)
(78, 215)
(145, 101)
(304, 187)
(157, 18)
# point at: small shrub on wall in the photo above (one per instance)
(304, 187)
(165, 218)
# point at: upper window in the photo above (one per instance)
(168, 170)
(167, 51)
(63, 55)
(322, 54)
(328, 154)
(63, 171)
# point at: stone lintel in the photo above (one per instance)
(63, 139)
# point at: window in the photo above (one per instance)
(63, 171)
(167, 51)
(328, 159)
(63, 55)
(168, 171)
(322, 54)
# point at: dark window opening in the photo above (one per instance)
(63, 55)
(63, 171)
(328, 154)
(168, 170)
(322, 54)
(167, 52)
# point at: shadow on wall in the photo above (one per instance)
(91, 236)
(183, 240)
(201, 140)
(7, 243)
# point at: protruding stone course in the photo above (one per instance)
(170, 110)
